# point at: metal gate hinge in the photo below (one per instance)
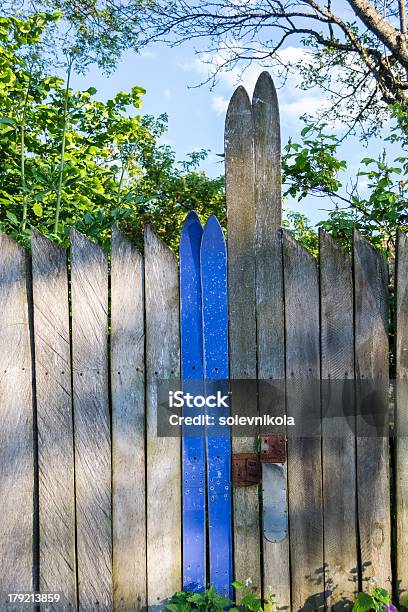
(273, 448)
(247, 469)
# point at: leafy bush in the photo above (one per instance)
(210, 601)
(378, 600)
(70, 160)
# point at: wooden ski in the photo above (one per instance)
(215, 334)
(193, 445)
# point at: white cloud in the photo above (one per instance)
(206, 63)
(219, 104)
(292, 100)
(246, 75)
(300, 105)
(167, 93)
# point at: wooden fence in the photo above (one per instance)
(90, 497)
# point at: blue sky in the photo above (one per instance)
(197, 114)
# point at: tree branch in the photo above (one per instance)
(376, 23)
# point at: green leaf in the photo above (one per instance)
(305, 130)
(88, 218)
(381, 595)
(12, 217)
(237, 584)
(8, 121)
(364, 603)
(37, 209)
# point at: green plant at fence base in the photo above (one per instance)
(210, 601)
(250, 600)
(377, 600)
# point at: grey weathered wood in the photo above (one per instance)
(239, 170)
(16, 431)
(401, 442)
(55, 419)
(163, 454)
(304, 453)
(89, 291)
(338, 448)
(269, 291)
(268, 206)
(371, 361)
(128, 426)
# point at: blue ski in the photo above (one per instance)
(215, 332)
(193, 444)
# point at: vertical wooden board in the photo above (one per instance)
(164, 574)
(239, 167)
(401, 442)
(16, 432)
(371, 364)
(55, 419)
(339, 448)
(268, 203)
(304, 453)
(89, 292)
(128, 426)
(269, 291)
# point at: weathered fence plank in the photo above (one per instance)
(128, 426)
(401, 441)
(16, 432)
(55, 419)
(338, 447)
(269, 292)
(371, 360)
(304, 453)
(239, 171)
(89, 290)
(164, 574)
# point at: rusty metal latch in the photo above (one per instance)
(273, 448)
(247, 469)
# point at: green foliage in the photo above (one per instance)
(312, 166)
(70, 160)
(210, 601)
(375, 208)
(378, 600)
(298, 226)
(378, 215)
(249, 598)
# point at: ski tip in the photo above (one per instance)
(212, 224)
(191, 232)
(265, 91)
(213, 230)
(191, 218)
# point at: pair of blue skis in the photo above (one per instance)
(204, 365)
